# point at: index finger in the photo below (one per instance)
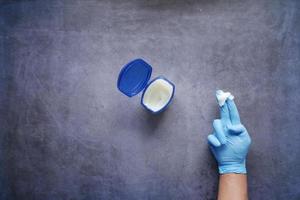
(224, 112)
(233, 112)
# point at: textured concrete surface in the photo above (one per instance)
(67, 133)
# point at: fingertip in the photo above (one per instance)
(222, 96)
(216, 122)
(230, 102)
(213, 140)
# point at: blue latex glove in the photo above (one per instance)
(230, 141)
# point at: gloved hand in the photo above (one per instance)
(230, 141)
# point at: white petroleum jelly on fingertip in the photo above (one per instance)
(223, 96)
(157, 95)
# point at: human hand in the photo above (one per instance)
(230, 140)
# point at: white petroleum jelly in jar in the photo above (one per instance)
(157, 95)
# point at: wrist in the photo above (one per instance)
(237, 168)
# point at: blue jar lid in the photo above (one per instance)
(134, 77)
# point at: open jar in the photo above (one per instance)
(157, 94)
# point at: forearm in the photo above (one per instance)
(233, 187)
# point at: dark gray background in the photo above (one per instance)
(68, 133)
